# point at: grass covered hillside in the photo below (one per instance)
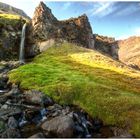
(9, 19)
(75, 75)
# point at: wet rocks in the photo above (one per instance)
(61, 127)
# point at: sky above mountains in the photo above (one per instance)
(115, 19)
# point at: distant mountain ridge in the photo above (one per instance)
(8, 9)
(129, 51)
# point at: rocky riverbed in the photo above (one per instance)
(32, 114)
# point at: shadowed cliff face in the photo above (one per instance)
(44, 26)
(107, 45)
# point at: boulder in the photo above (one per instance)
(37, 97)
(60, 127)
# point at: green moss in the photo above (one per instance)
(75, 75)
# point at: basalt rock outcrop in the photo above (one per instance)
(44, 28)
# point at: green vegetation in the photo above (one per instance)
(75, 75)
(10, 19)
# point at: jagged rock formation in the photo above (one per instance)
(129, 51)
(106, 45)
(5, 8)
(45, 26)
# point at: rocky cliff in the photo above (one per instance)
(8, 9)
(129, 51)
(10, 36)
(45, 27)
(107, 45)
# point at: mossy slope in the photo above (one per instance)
(75, 75)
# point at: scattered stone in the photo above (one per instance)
(5, 113)
(15, 90)
(37, 97)
(3, 100)
(38, 135)
(2, 126)
(61, 127)
(121, 133)
(12, 123)
(11, 133)
(5, 106)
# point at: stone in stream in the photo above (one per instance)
(60, 127)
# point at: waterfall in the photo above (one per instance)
(21, 53)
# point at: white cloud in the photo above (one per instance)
(101, 9)
(66, 5)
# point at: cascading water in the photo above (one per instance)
(21, 53)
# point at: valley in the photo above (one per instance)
(59, 79)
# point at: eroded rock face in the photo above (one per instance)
(44, 26)
(107, 45)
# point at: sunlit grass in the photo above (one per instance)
(75, 75)
(10, 19)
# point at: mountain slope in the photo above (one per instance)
(97, 83)
(129, 51)
(8, 9)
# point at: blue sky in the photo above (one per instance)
(114, 19)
